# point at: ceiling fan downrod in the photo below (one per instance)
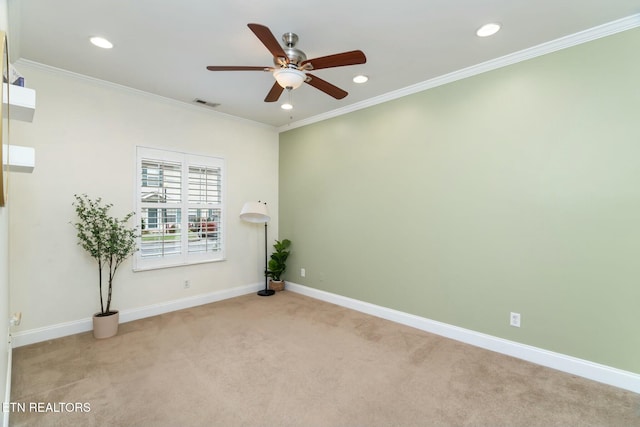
(296, 56)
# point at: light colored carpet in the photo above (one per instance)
(289, 360)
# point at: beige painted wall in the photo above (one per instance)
(4, 263)
(84, 133)
(4, 298)
(515, 190)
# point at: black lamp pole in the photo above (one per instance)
(266, 291)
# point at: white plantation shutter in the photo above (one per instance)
(205, 184)
(205, 207)
(180, 208)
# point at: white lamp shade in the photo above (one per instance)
(289, 77)
(255, 212)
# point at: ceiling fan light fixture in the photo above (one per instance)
(289, 77)
(488, 29)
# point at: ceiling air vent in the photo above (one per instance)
(207, 103)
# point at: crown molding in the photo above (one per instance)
(604, 30)
(25, 63)
(571, 40)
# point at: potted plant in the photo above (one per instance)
(109, 241)
(277, 264)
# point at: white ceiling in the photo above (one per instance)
(163, 47)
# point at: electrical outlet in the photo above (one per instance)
(515, 319)
(303, 272)
(187, 284)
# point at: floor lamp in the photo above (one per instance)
(257, 213)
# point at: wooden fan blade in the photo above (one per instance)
(338, 60)
(268, 39)
(326, 87)
(274, 93)
(237, 68)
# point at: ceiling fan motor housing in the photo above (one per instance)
(295, 56)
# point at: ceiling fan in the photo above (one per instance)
(292, 66)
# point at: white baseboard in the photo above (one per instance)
(572, 365)
(83, 325)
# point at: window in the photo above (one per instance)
(180, 207)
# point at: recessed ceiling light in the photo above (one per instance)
(286, 106)
(488, 30)
(360, 78)
(101, 42)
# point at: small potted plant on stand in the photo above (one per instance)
(109, 241)
(277, 264)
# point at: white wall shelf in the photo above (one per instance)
(20, 159)
(23, 102)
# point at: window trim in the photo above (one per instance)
(186, 160)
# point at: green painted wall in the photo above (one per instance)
(515, 190)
